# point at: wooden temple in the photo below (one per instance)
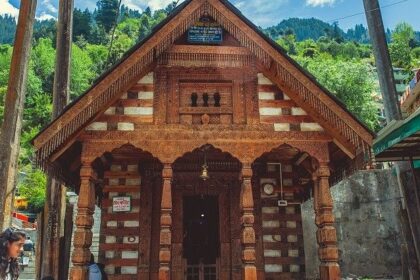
(199, 147)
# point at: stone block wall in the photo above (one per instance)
(366, 208)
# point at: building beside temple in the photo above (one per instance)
(199, 147)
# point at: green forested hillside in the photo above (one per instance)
(340, 61)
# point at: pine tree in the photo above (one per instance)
(107, 13)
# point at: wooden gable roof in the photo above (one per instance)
(351, 135)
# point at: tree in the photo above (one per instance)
(400, 47)
(81, 23)
(349, 81)
(107, 13)
(7, 29)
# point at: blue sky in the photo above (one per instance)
(267, 12)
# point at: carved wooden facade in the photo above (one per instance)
(145, 128)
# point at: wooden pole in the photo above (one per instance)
(55, 192)
(15, 98)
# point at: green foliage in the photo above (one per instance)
(33, 188)
(107, 13)
(81, 23)
(82, 73)
(7, 29)
(349, 81)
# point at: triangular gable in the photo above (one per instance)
(348, 133)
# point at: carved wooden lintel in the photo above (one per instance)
(166, 224)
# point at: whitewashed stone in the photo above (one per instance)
(281, 127)
(148, 79)
(114, 182)
(110, 111)
(132, 167)
(123, 126)
(286, 97)
(294, 268)
(270, 210)
(146, 95)
(310, 127)
(271, 224)
(97, 126)
(273, 268)
(263, 80)
(129, 255)
(115, 167)
(272, 238)
(287, 168)
(132, 182)
(270, 111)
(109, 254)
(131, 223)
(138, 111)
(111, 224)
(110, 239)
(292, 238)
(124, 96)
(290, 210)
(291, 224)
(266, 95)
(288, 182)
(128, 270)
(272, 253)
(109, 269)
(296, 111)
(293, 253)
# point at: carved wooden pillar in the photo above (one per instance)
(326, 234)
(165, 224)
(84, 222)
(247, 221)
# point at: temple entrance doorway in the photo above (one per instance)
(201, 245)
(206, 228)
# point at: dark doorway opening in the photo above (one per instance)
(201, 243)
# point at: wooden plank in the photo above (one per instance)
(121, 262)
(277, 103)
(134, 103)
(126, 118)
(268, 88)
(121, 189)
(142, 87)
(286, 231)
(286, 119)
(281, 217)
(285, 260)
(123, 277)
(282, 246)
(120, 217)
(134, 231)
(118, 247)
(121, 174)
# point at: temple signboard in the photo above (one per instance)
(205, 33)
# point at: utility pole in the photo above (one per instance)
(410, 212)
(14, 104)
(382, 60)
(54, 208)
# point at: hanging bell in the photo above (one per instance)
(205, 173)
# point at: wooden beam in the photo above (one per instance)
(14, 104)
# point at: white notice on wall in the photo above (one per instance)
(121, 204)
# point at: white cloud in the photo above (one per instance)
(7, 8)
(316, 3)
(45, 16)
